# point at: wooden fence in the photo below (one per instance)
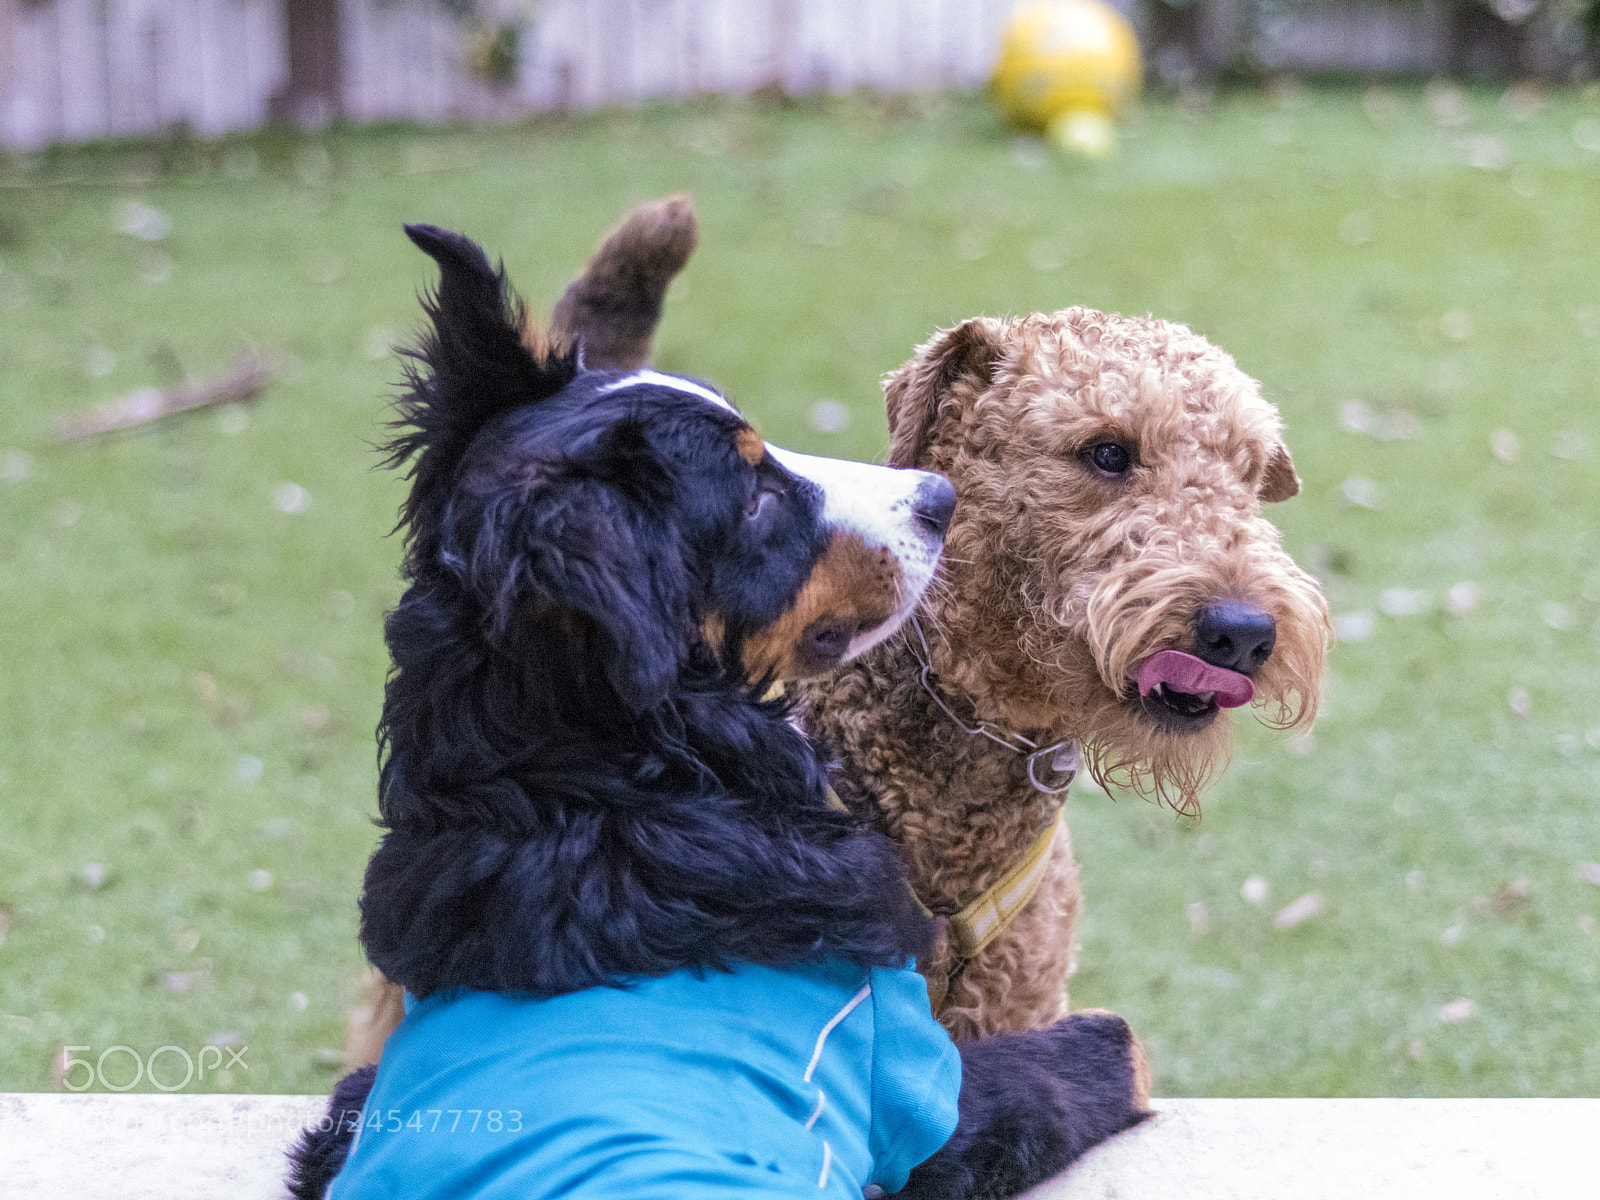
(75, 70)
(72, 70)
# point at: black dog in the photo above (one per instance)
(581, 785)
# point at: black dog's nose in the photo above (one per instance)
(1235, 635)
(934, 503)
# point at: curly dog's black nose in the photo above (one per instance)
(935, 504)
(1235, 635)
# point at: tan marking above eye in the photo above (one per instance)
(716, 631)
(851, 583)
(751, 446)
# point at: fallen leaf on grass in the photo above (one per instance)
(143, 221)
(290, 498)
(1355, 627)
(1507, 898)
(183, 981)
(1457, 325)
(1556, 616)
(829, 416)
(1297, 912)
(1463, 598)
(1458, 1011)
(1404, 602)
(314, 718)
(95, 875)
(1361, 492)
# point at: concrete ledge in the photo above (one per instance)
(1346, 1150)
(148, 1147)
(193, 1147)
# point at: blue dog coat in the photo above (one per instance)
(807, 1081)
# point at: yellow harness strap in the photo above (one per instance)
(987, 917)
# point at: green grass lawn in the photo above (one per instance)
(191, 675)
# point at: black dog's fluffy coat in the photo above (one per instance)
(574, 786)
(577, 786)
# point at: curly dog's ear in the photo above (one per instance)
(1279, 481)
(950, 372)
(586, 550)
(470, 367)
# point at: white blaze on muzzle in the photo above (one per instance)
(878, 506)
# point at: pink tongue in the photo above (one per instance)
(1185, 673)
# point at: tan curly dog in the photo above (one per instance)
(1110, 473)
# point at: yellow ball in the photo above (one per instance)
(1064, 56)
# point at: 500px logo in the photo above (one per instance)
(124, 1058)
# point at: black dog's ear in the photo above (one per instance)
(473, 365)
(588, 554)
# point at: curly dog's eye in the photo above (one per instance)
(1111, 458)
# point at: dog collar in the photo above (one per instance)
(1064, 756)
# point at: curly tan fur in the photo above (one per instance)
(1059, 581)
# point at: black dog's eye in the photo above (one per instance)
(828, 641)
(1111, 458)
(760, 503)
